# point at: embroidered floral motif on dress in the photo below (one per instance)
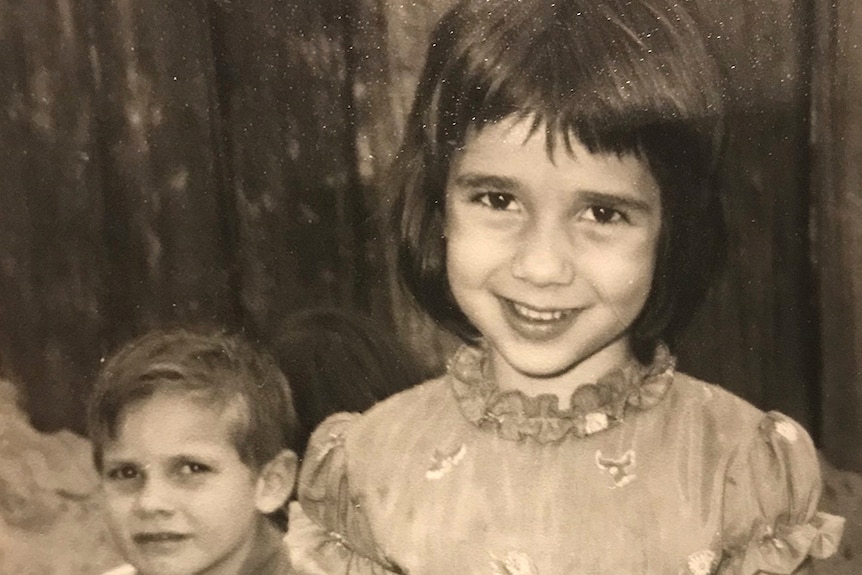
(515, 563)
(702, 562)
(443, 463)
(595, 422)
(786, 430)
(620, 469)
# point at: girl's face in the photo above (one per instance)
(179, 499)
(551, 257)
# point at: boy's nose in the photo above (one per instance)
(545, 255)
(154, 497)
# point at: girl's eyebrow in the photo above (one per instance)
(616, 200)
(472, 180)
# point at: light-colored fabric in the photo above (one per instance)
(698, 482)
(122, 570)
(315, 551)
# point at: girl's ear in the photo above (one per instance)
(275, 482)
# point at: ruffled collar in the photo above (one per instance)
(593, 407)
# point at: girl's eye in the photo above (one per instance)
(123, 473)
(603, 215)
(499, 201)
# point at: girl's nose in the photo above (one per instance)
(544, 255)
(154, 497)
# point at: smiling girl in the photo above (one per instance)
(557, 210)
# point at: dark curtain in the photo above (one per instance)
(221, 162)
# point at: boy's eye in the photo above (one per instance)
(123, 473)
(194, 468)
(603, 215)
(498, 201)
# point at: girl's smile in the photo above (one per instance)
(550, 254)
(537, 324)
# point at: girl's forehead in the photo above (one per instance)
(518, 150)
(557, 138)
(512, 129)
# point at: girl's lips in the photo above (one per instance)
(538, 324)
(540, 315)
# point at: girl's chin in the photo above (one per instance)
(564, 360)
(533, 364)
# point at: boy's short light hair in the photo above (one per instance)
(211, 365)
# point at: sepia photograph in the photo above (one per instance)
(431, 287)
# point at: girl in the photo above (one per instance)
(557, 211)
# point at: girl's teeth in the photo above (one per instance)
(538, 315)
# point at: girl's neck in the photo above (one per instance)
(563, 385)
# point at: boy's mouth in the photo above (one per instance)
(159, 538)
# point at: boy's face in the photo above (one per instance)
(550, 257)
(179, 499)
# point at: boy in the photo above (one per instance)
(193, 437)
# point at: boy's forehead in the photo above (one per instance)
(181, 411)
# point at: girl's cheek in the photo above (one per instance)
(624, 248)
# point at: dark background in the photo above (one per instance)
(220, 161)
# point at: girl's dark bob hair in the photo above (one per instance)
(621, 76)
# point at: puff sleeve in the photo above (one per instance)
(329, 532)
(772, 488)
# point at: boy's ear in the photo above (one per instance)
(275, 482)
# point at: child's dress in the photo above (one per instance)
(648, 472)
